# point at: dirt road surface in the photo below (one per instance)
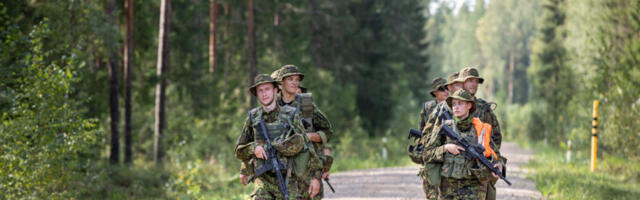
(403, 182)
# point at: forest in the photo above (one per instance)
(123, 99)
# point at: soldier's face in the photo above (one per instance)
(266, 93)
(471, 85)
(441, 95)
(460, 108)
(455, 87)
(290, 84)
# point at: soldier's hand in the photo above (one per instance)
(260, 153)
(314, 187)
(325, 175)
(244, 179)
(314, 137)
(499, 166)
(453, 149)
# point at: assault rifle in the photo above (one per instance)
(415, 134)
(470, 151)
(272, 163)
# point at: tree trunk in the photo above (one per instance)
(128, 59)
(252, 51)
(213, 17)
(227, 41)
(511, 77)
(113, 87)
(162, 68)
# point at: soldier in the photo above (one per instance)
(319, 128)
(455, 176)
(452, 85)
(453, 82)
(472, 79)
(439, 91)
(285, 129)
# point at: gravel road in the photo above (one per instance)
(403, 182)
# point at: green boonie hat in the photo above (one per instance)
(464, 96)
(289, 146)
(259, 80)
(275, 74)
(452, 78)
(470, 72)
(436, 83)
(289, 70)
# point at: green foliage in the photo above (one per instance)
(550, 74)
(615, 177)
(42, 136)
(618, 77)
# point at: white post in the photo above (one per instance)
(384, 148)
(569, 151)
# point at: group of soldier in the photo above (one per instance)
(301, 134)
(298, 131)
(445, 172)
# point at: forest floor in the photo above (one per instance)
(403, 182)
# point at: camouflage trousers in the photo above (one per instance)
(430, 191)
(266, 188)
(491, 189)
(458, 189)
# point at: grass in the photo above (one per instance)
(614, 178)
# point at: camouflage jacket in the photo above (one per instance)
(484, 112)
(453, 166)
(322, 126)
(425, 112)
(320, 122)
(246, 143)
(415, 153)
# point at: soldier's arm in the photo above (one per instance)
(434, 148)
(315, 164)
(496, 134)
(245, 145)
(422, 117)
(322, 125)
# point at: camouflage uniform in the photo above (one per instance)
(320, 123)
(485, 114)
(427, 107)
(456, 177)
(285, 131)
(426, 121)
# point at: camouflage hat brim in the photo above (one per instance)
(457, 95)
(259, 80)
(480, 80)
(281, 78)
(252, 89)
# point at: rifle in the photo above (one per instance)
(470, 151)
(329, 184)
(272, 163)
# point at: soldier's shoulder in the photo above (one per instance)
(485, 105)
(427, 104)
(255, 110)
